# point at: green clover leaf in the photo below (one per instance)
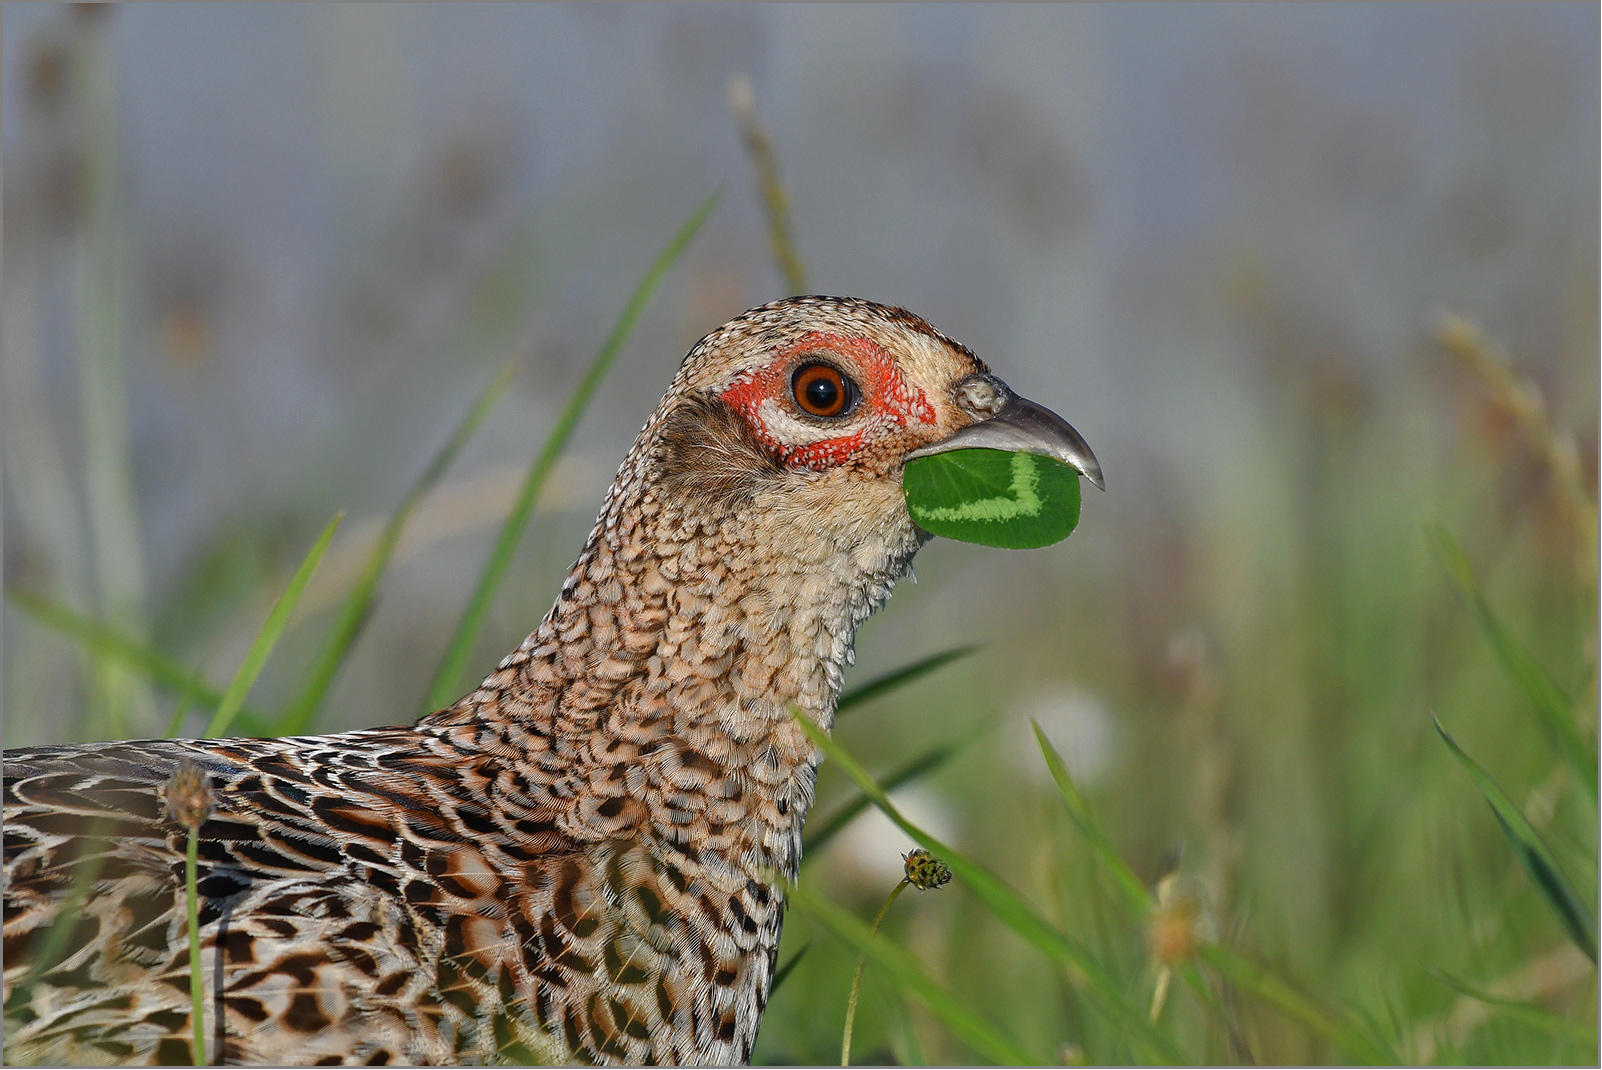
(992, 497)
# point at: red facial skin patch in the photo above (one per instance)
(886, 399)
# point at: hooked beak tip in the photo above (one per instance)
(1024, 427)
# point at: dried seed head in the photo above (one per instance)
(1173, 934)
(188, 794)
(1181, 922)
(924, 870)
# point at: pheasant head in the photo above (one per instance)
(783, 440)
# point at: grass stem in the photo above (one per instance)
(121, 702)
(856, 978)
(196, 982)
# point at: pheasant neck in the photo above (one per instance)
(660, 683)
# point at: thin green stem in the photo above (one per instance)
(856, 979)
(899, 678)
(121, 701)
(102, 641)
(191, 892)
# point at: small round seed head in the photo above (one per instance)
(924, 870)
(188, 794)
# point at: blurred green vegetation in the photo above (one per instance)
(1281, 861)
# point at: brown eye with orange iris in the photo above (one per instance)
(820, 389)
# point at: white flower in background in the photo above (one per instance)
(1078, 725)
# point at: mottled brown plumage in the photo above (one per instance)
(575, 862)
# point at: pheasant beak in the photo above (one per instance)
(1021, 426)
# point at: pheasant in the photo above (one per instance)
(580, 860)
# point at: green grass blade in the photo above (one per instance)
(1134, 893)
(104, 641)
(887, 683)
(1010, 908)
(788, 968)
(267, 638)
(920, 766)
(909, 973)
(353, 614)
(1532, 854)
(1277, 993)
(447, 681)
(1530, 1014)
(1553, 707)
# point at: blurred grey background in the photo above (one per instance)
(335, 222)
(260, 259)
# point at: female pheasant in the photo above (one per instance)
(579, 860)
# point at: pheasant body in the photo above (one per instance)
(578, 861)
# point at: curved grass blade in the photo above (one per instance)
(358, 604)
(104, 641)
(267, 638)
(1135, 894)
(1011, 909)
(447, 681)
(1250, 977)
(914, 769)
(909, 973)
(1530, 1014)
(1553, 707)
(887, 683)
(788, 968)
(1532, 854)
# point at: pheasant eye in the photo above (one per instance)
(822, 390)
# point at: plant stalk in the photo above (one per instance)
(196, 987)
(856, 980)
